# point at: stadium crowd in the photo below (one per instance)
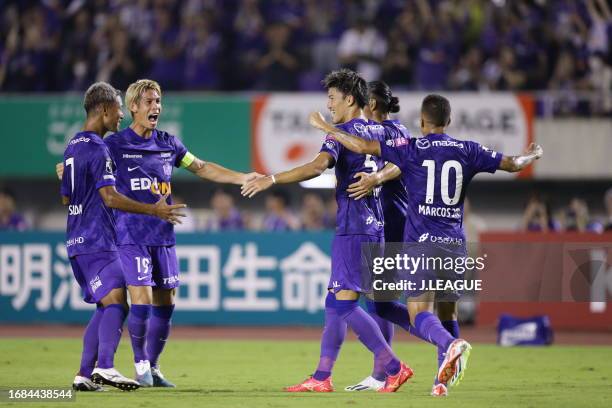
(316, 211)
(59, 45)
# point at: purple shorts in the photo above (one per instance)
(150, 265)
(351, 260)
(97, 274)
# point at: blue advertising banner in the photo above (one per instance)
(240, 278)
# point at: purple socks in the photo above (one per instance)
(159, 329)
(138, 322)
(430, 327)
(90, 344)
(387, 330)
(333, 336)
(109, 334)
(369, 334)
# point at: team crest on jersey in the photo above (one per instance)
(360, 127)
(423, 144)
(167, 169)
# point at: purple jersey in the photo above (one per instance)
(144, 170)
(88, 167)
(437, 169)
(362, 216)
(393, 195)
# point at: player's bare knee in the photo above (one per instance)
(416, 307)
(140, 295)
(114, 297)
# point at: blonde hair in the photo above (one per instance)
(135, 91)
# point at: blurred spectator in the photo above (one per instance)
(166, 51)
(396, 66)
(362, 48)
(248, 43)
(433, 61)
(576, 218)
(608, 204)
(279, 65)
(325, 26)
(466, 76)
(331, 211)
(226, 216)
(503, 73)
(9, 218)
(278, 217)
(313, 212)
(291, 44)
(202, 55)
(538, 216)
(120, 67)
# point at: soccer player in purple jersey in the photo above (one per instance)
(358, 222)
(145, 158)
(394, 200)
(88, 189)
(394, 197)
(437, 169)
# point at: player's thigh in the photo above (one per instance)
(165, 268)
(347, 295)
(116, 296)
(140, 295)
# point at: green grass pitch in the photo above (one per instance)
(249, 374)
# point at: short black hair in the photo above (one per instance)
(380, 91)
(436, 109)
(349, 83)
(100, 93)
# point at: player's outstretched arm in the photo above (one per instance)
(368, 181)
(304, 172)
(513, 164)
(114, 199)
(219, 174)
(353, 143)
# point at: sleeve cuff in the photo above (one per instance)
(105, 182)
